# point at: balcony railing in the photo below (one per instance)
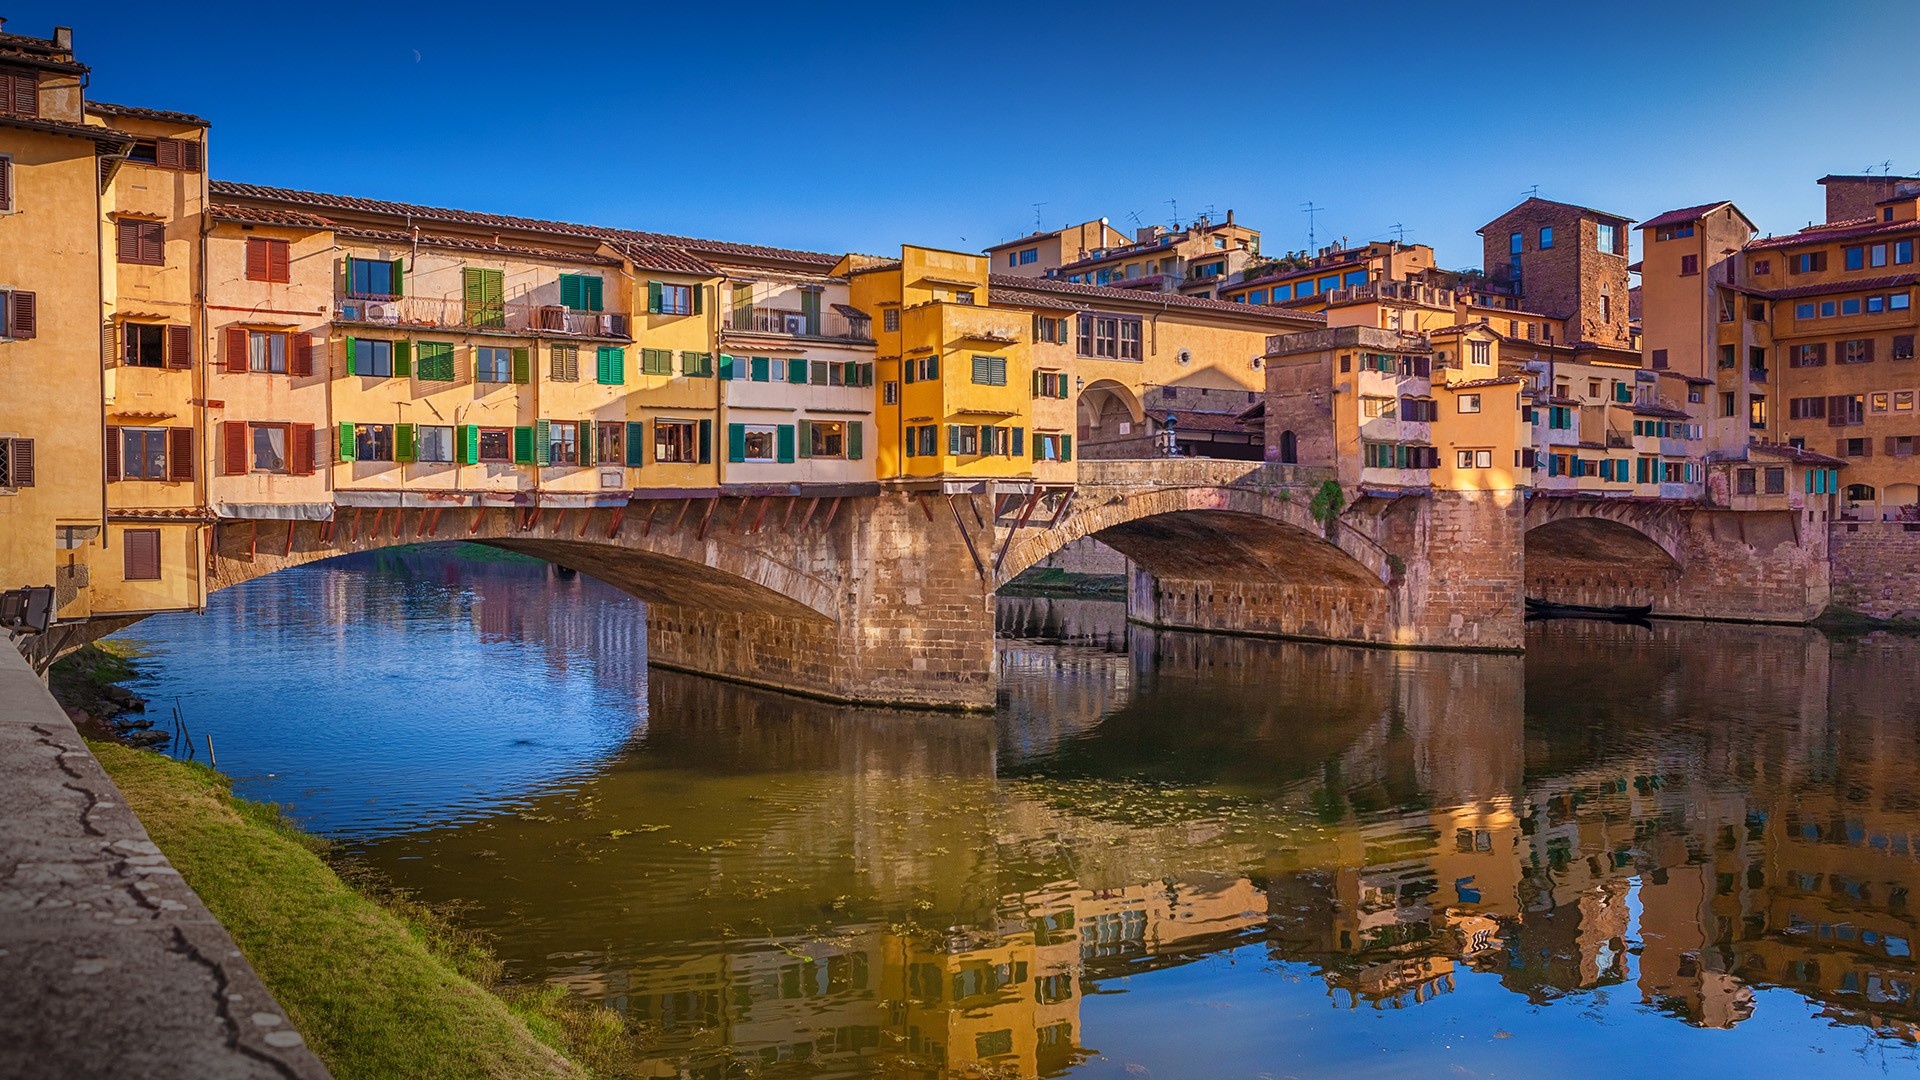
(1408, 291)
(517, 316)
(790, 323)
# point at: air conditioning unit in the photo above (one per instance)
(352, 312)
(382, 313)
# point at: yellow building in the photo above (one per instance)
(1308, 284)
(1193, 260)
(1039, 253)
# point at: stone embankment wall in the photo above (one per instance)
(1876, 568)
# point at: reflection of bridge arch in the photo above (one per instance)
(727, 569)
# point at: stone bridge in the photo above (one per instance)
(889, 598)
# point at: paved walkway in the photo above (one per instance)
(109, 965)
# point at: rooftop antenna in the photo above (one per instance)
(1310, 210)
(1399, 232)
(1037, 226)
(1135, 215)
(1886, 168)
(1175, 203)
(1532, 192)
(1207, 214)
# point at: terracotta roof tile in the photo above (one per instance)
(99, 135)
(1823, 288)
(137, 113)
(1834, 230)
(670, 259)
(1666, 411)
(1094, 294)
(1681, 216)
(486, 247)
(1497, 380)
(252, 215)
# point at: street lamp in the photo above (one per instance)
(1169, 442)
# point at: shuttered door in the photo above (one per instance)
(113, 453)
(141, 548)
(300, 449)
(180, 453)
(233, 448)
(236, 350)
(179, 346)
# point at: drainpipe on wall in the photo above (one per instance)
(100, 294)
(203, 477)
(719, 387)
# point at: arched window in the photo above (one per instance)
(1860, 493)
(1289, 449)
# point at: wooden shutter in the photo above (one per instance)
(180, 453)
(179, 346)
(19, 472)
(256, 259)
(353, 359)
(25, 94)
(237, 340)
(277, 269)
(6, 185)
(706, 442)
(113, 453)
(469, 436)
(166, 153)
(402, 359)
(591, 294)
(192, 155)
(523, 446)
(141, 550)
(346, 442)
(653, 298)
(396, 278)
(805, 438)
(405, 448)
(1867, 356)
(1837, 410)
(23, 318)
(543, 442)
(233, 448)
(301, 362)
(522, 366)
(300, 453)
(854, 428)
(583, 442)
(636, 443)
(783, 444)
(570, 291)
(736, 442)
(152, 242)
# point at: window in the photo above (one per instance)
(1877, 401)
(825, 438)
(1660, 359)
(1812, 355)
(1109, 336)
(1876, 304)
(610, 442)
(1606, 308)
(366, 356)
(755, 442)
(1762, 267)
(141, 549)
(1776, 480)
(963, 439)
(1607, 238)
(656, 361)
(267, 351)
(484, 294)
(1826, 309)
(1803, 310)
(1689, 265)
(610, 365)
(1546, 237)
(1757, 311)
(890, 320)
(1745, 482)
(580, 292)
(141, 242)
(496, 444)
(1379, 408)
(1899, 301)
(1903, 401)
(990, 370)
(1727, 404)
(1029, 256)
(1807, 408)
(1469, 403)
(1480, 353)
(373, 279)
(1811, 262)
(1850, 306)
(563, 446)
(143, 345)
(492, 364)
(1902, 251)
(963, 296)
(436, 361)
(665, 298)
(266, 259)
(696, 365)
(1515, 242)
(1757, 411)
(167, 154)
(372, 442)
(143, 453)
(1877, 255)
(674, 441)
(563, 363)
(890, 393)
(19, 93)
(434, 443)
(269, 447)
(1853, 448)
(1855, 351)
(1855, 257)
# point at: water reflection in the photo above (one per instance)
(1165, 849)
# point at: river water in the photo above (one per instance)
(1686, 851)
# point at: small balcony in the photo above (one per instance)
(844, 325)
(517, 317)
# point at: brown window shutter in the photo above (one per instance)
(166, 153)
(1820, 355)
(26, 94)
(1866, 447)
(180, 453)
(6, 185)
(237, 350)
(256, 259)
(179, 346)
(300, 449)
(127, 241)
(277, 260)
(233, 448)
(1893, 445)
(192, 156)
(153, 243)
(113, 453)
(1869, 353)
(142, 554)
(301, 363)
(1840, 448)
(110, 344)
(1837, 411)
(20, 463)
(23, 316)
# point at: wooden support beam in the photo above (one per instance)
(1060, 512)
(975, 507)
(353, 527)
(832, 512)
(741, 517)
(479, 514)
(373, 533)
(586, 519)
(653, 507)
(786, 519)
(712, 505)
(433, 523)
(619, 515)
(922, 500)
(979, 567)
(812, 505)
(253, 541)
(764, 500)
(398, 514)
(290, 524)
(1026, 512)
(685, 505)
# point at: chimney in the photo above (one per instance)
(1229, 215)
(63, 38)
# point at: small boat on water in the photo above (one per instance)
(1549, 610)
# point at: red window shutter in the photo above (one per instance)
(256, 259)
(23, 315)
(113, 453)
(166, 153)
(233, 448)
(127, 237)
(277, 260)
(237, 350)
(300, 449)
(142, 554)
(301, 362)
(180, 453)
(179, 346)
(6, 185)
(20, 463)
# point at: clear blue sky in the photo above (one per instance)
(856, 127)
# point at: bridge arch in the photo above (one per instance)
(1603, 552)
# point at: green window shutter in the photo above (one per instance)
(850, 373)
(469, 444)
(403, 444)
(653, 298)
(810, 309)
(1066, 448)
(542, 440)
(699, 299)
(472, 292)
(402, 359)
(583, 441)
(636, 443)
(931, 371)
(1019, 442)
(796, 371)
(706, 442)
(591, 293)
(806, 438)
(570, 291)
(783, 437)
(736, 442)
(523, 445)
(611, 363)
(396, 278)
(854, 427)
(351, 369)
(346, 442)
(953, 439)
(726, 366)
(522, 366)
(762, 369)
(866, 374)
